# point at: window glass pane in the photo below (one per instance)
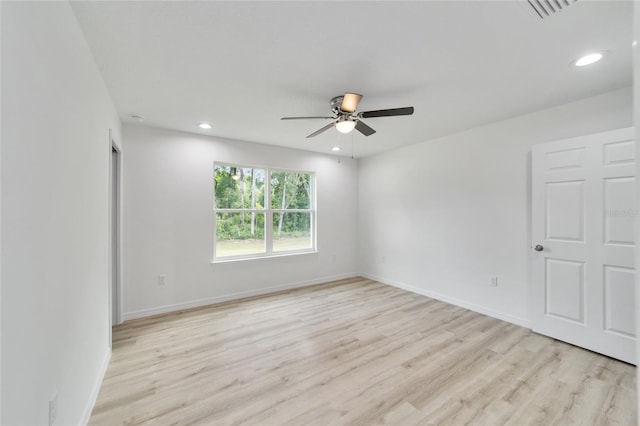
(291, 231)
(239, 188)
(290, 190)
(239, 234)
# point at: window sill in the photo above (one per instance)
(271, 256)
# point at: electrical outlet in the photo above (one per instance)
(493, 281)
(53, 409)
(162, 279)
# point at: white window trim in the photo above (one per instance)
(268, 212)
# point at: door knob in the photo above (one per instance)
(538, 248)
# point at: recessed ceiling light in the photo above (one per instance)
(634, 43)
(204, 125)
(335, 148)
(589, 59)
(138, 118)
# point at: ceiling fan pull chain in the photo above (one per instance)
(352, 146)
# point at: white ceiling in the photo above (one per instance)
(243, 65)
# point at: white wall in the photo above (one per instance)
(168, 222)
(0, 223)
(636, 115)
(448, 213)
(56, 115)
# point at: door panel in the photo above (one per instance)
(619, 153)
(565, 211)
(565, 159)
(619, 200)
(619, 298)
(565, 289)
(583, 193)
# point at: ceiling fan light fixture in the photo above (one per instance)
(350, 102)
(345, 126)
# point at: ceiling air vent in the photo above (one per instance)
(546, 8)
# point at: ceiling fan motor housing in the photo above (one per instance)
(335, 103)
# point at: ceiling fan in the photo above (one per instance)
(346, 119)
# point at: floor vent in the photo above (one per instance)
(546, 8)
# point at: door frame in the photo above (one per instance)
(115, 264)
(636, 114)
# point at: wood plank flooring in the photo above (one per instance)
(353, 352)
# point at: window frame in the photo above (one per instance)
(268, 212)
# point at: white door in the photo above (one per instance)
(583, 235)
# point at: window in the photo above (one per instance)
(261, 212)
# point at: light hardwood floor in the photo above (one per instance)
(353, 352)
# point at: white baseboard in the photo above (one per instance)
(453, 301)
(93, 396)
(234, 296)
(258, 292)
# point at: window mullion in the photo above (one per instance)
(268, 216)
(238, 210)
(291, 210)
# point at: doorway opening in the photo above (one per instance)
(115, 184)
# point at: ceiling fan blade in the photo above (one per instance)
(387, 112)
(350, 102)
(364, 129)
(304, 118)
(317, 132)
